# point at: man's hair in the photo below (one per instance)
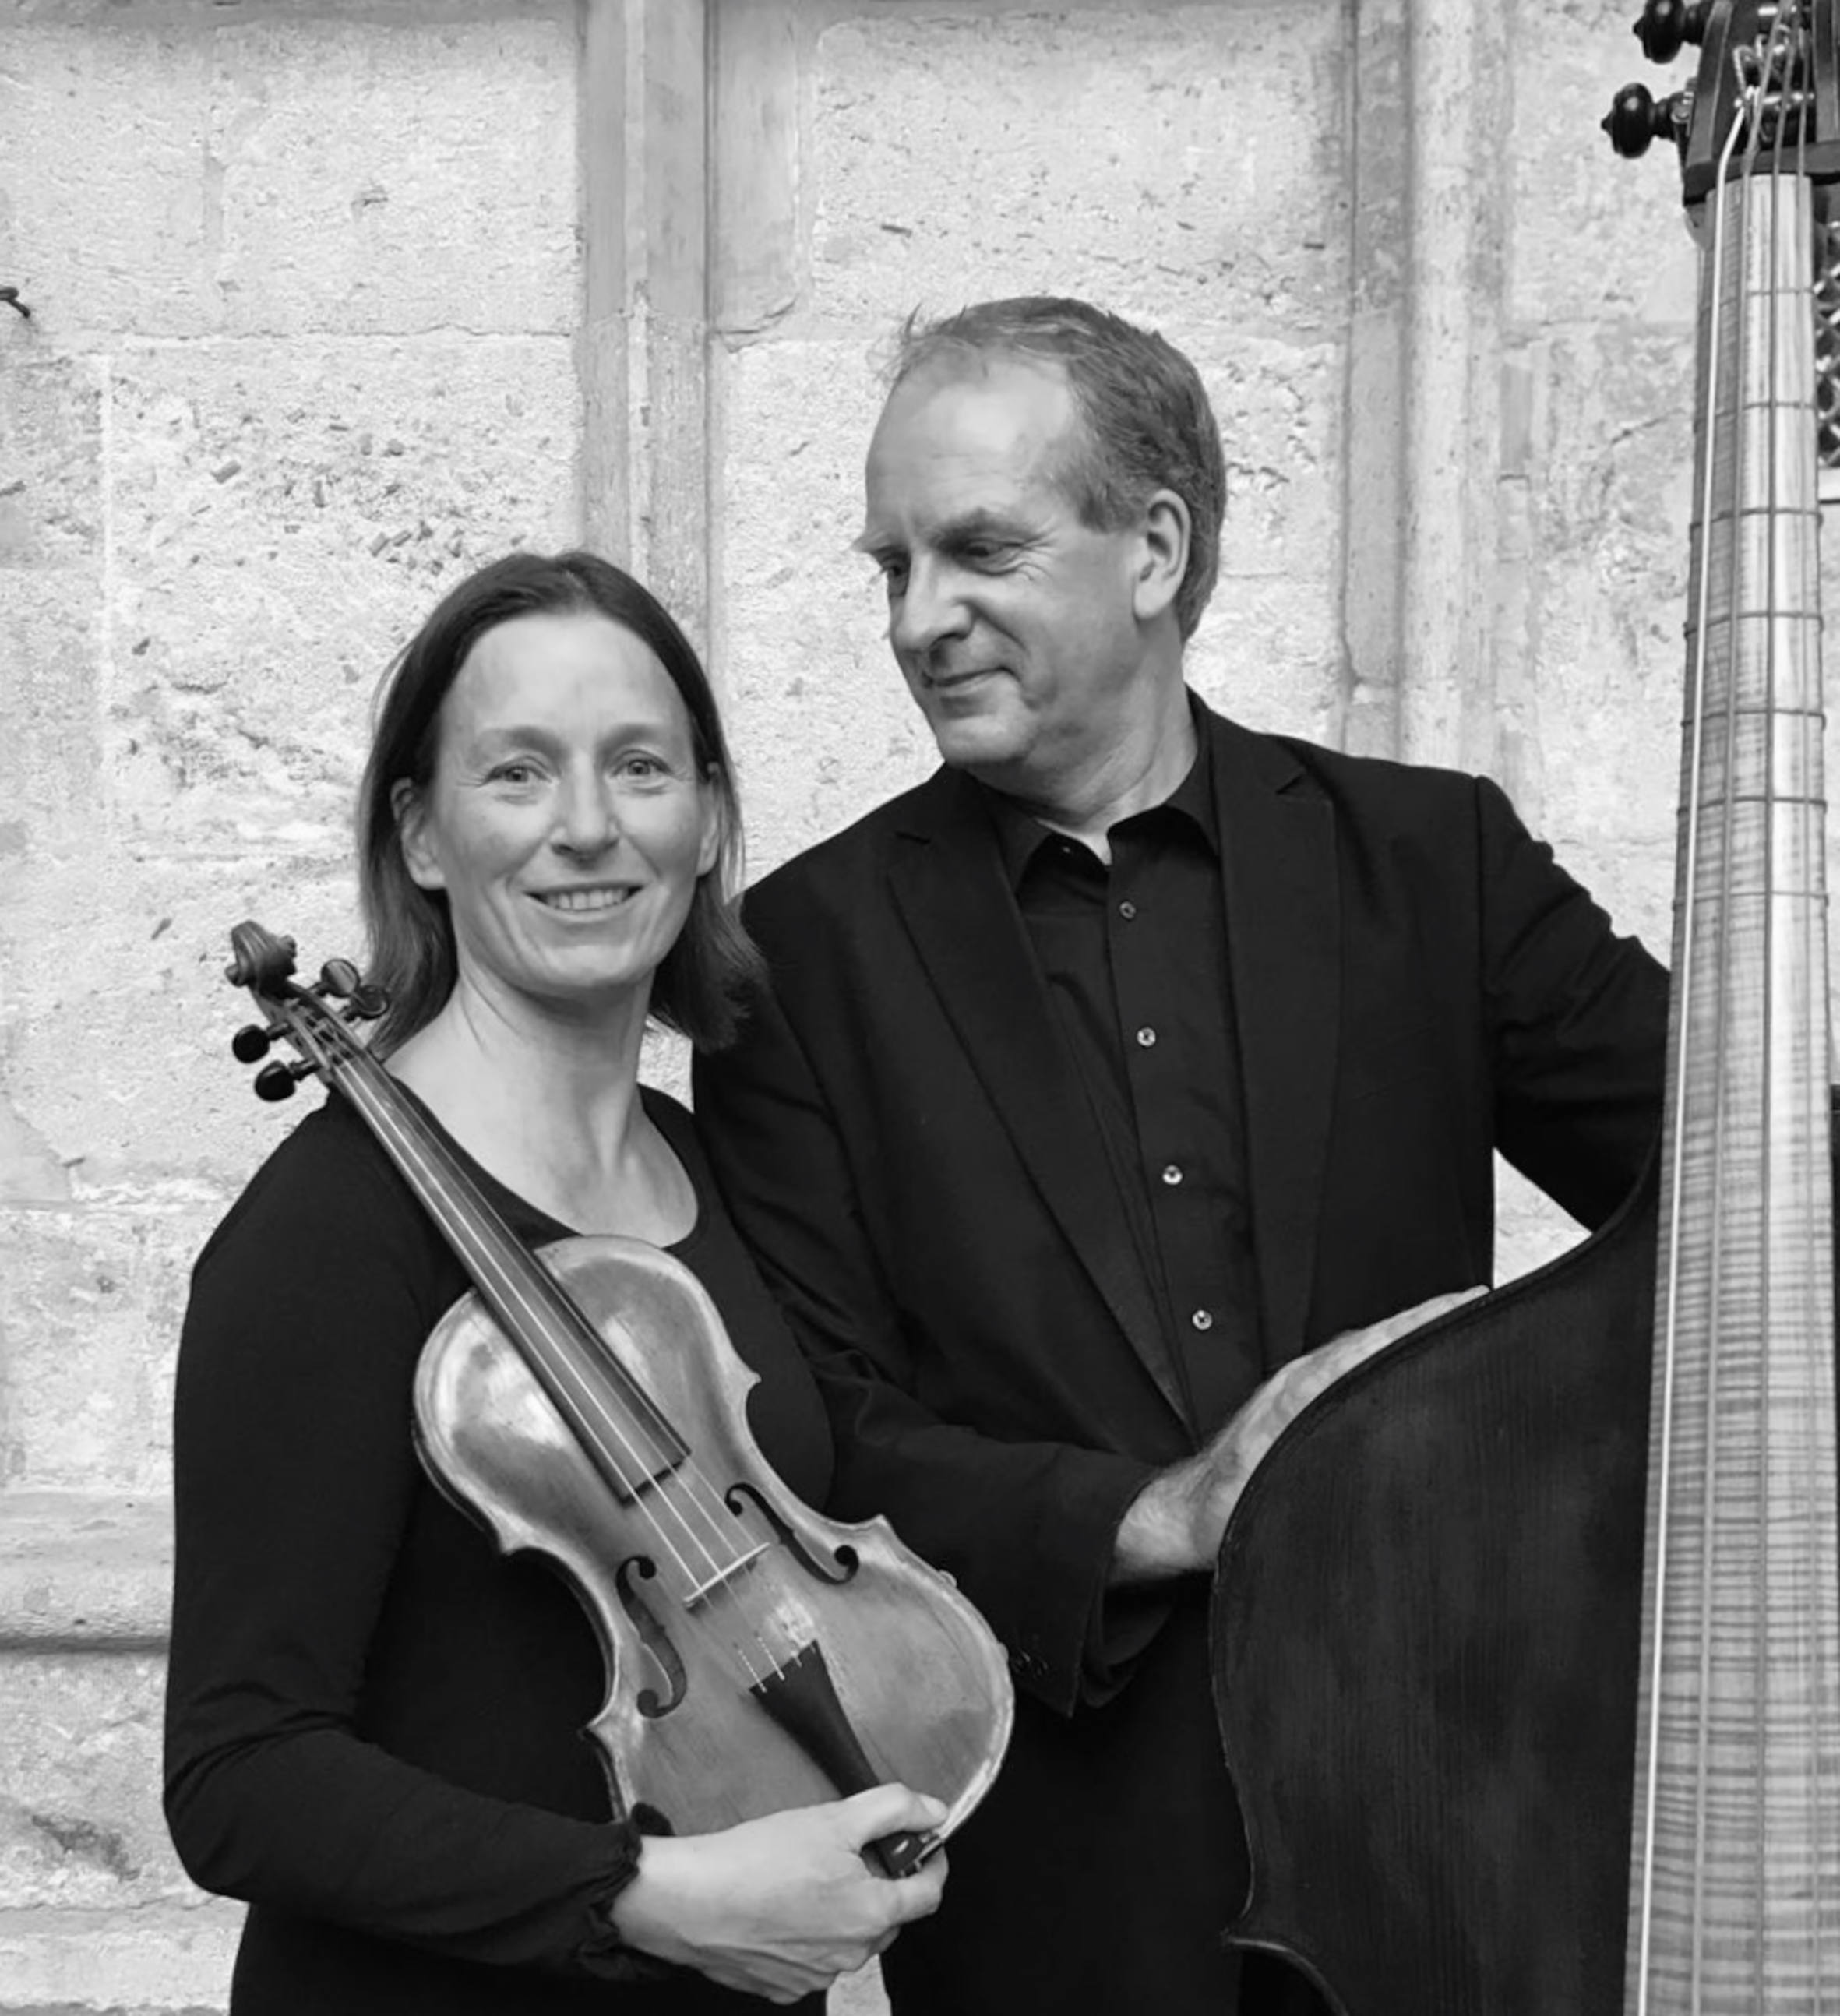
(1147, 418)
(709, 970)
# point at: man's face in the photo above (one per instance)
(1015, 626)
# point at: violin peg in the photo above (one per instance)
(339, 978)
(275, 1082)
(251, 1045)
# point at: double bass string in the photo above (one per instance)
(1735, 1604)
(1688, 1000)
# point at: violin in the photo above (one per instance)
(1527, 1631)
(584, 1400)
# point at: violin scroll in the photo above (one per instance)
(317, 1021)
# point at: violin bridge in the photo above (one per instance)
(720, 1577)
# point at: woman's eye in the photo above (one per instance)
(516, 772)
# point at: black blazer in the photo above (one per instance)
(910, 1153)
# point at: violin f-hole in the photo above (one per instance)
(653, 1636)
(847, 1559)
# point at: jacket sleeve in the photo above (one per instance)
(1026, 1527)
(1578, 1024)
(294, 1474)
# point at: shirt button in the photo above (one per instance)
(1127, 910)
(1203, 1319)
(1171, 1174)
(1146, 1038)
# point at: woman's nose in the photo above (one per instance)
(587, 816)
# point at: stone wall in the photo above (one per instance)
(333, 300)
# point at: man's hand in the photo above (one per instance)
(1174, 1525)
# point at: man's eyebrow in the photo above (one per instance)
(977, 523)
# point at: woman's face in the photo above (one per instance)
(565, 818)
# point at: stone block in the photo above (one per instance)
(83, 1571)
(90, 1308)
(51, 476)
(1269, 652)
(1570, 191)
(1613, 482)
(81, 1827)
(389, 173)
(124, 971)
(51, 788)
(166, 1958)
(286, 515)
(102, 165)
(1279, 406)
(821, 722)
(963, 154)
(180, 170)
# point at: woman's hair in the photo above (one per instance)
(700, 985)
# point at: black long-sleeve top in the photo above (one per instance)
(373, 1718)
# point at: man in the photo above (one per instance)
(1130, 1055)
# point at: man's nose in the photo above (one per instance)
(928, 609)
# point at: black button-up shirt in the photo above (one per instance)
(1134, 956)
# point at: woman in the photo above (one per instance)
(373, 1718)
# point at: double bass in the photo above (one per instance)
(1526, 1630)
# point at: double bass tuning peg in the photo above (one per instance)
(1636, 119)
(1667, 26)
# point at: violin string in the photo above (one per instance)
(380, 1107)
(1667, 1353)
(594, 1416)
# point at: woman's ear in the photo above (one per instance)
(715, 823)
(418, 856)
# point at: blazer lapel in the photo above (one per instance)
(1284, 946)
(948, 883)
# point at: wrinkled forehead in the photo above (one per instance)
(964, 423)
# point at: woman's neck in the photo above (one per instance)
(550, 1105)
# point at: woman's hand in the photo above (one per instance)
(779, 1907)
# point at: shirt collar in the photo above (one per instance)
(1019, 833)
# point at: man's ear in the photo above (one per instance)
(1163, 558)
(411, 836)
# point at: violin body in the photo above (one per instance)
(710, 1574)
(1443, 1822)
